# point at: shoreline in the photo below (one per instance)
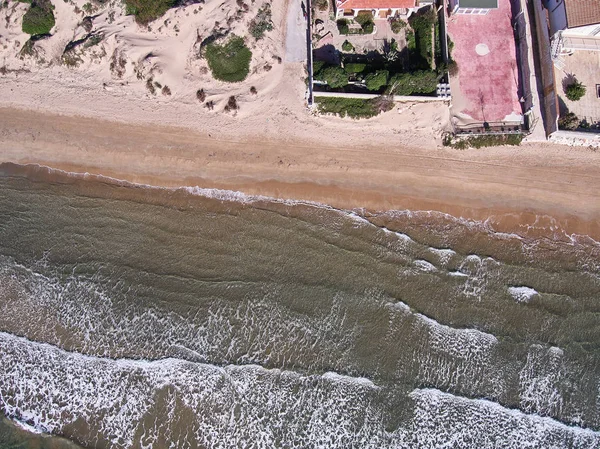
(515, 189)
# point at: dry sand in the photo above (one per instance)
(92, 119)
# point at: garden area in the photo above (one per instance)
(409, 63)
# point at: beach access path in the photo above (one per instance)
(519, 182)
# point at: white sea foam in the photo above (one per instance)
(446, 420)
(444, 254)
(423, 265)
(46, 386)
(522, 294)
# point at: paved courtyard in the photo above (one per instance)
(485, 89)
(585, 67)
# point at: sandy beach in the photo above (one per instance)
(91, 118)
(514, 185)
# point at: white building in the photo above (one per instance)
(574, 25)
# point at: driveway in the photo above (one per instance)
(295, 39)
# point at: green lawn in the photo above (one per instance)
(230, 61)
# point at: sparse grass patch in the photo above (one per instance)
(230, 61)
(262, 22)
(39, 18)
(355, 108)
(492, 140)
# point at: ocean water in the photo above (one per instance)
(138, 317)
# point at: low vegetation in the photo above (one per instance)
(575, 91)
(261, 23)
(397, 25)
(569, 122)
(353, 107)
(419, 82)
(365, 20)
(354, 68)
(492, 140)
(347, 46)
(322, 5)
(145, 11)
(39, 18)
(229, 62)
(334, 75)
(422, 25)
(376, 80)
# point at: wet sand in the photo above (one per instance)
(519, 187)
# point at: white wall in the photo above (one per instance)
(582, 31)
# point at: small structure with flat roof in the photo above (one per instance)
(381, 9)
(475, 7)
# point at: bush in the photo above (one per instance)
(397, 25)
(229, 62)
(453, 68)
(569, 121)
(419, 82)
(317, 66)
(322, 5)
(365, 20)
(354, 67)
(261, 23)
(342, 26)
(375, 81)
(575, 91)
(347, 46)
(422, 25)
(353, 107)
(201, 95)
(334, 75)
(145, 11)
(231, 104)
(39, 18)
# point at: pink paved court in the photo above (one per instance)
(484, 50)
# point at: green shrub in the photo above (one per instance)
(334, 75)
(261, 23)
(354, 67)
(39, 18)
(375, 81)
(411, 43)
(353, 107)
(347, 46)
(317, 66)
(575, 91)
(145, 11)
(342, 26)
(230, 61)
(397, 25)
(322, 5)
(365, 20)
(422, 25)
(569, 121)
